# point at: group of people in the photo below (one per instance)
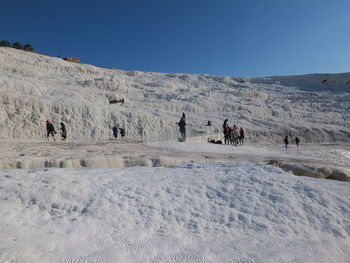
(115, 131)
(286, 141)
(233, 135)
(50, 130)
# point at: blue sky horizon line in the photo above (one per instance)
(226, 38)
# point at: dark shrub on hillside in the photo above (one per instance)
(17, 45)
(28, 47)
(5, 43)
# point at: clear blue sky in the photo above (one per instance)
(218, 37)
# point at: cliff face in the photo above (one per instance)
(35, 88)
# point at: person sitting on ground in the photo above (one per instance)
(50, 129)
(215, 142)
(63, 131)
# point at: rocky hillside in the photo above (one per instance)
(35, 88)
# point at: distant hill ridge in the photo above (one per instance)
(312, 82)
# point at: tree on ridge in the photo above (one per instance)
(17, 45)
(28, 47)
(5, 43)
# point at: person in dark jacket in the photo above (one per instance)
(241, 136)
(225, 125)
(50, 129)
(115, 131)
(297, 140)
(286, 142)
(226, 130)
(122, 132)
(63, 131)
(182, 125)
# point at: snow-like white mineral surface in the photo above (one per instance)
(35, 88)
(221, 212)
(148, 197)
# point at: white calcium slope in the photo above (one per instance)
(219, 212)
(35, 88)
